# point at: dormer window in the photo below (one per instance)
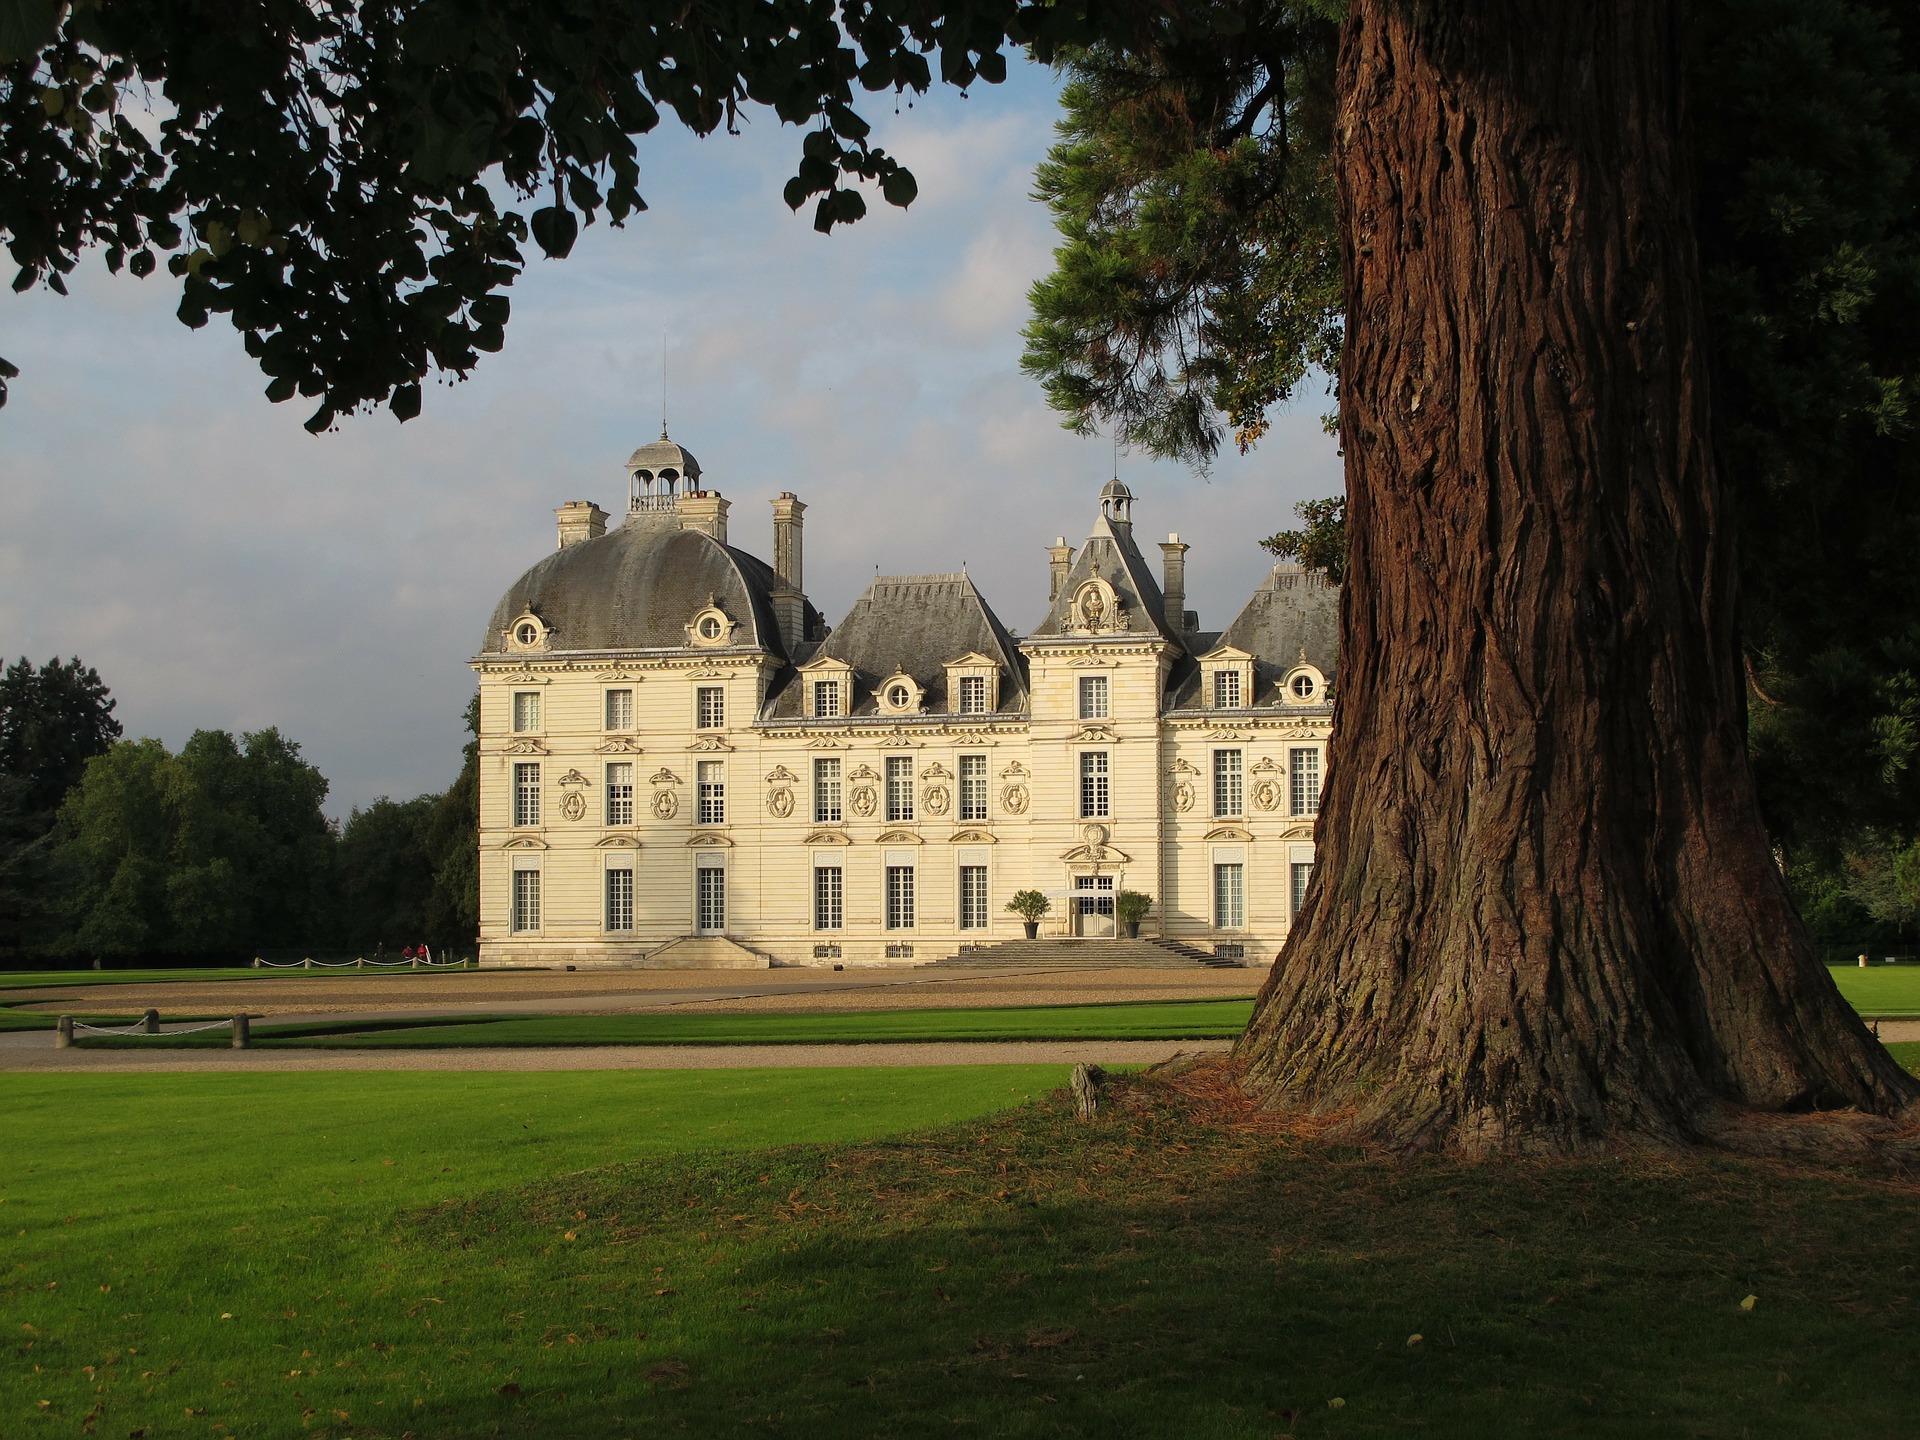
(1226, 678)
(973, 684)
(1226, 690)
(826, 699)
(1304, 685)
(710, 625)
(899, 694)
(528, 633)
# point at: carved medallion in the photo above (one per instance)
(780, 803)
(666, 804)
(1013, 799)
(861, 802)
(1183, 796)
(1266, 795)
(573, 805)
(936, 799)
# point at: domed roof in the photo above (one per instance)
(663, 454)
(638, 588)
(1115, 489)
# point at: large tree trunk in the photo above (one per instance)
(1545, 911)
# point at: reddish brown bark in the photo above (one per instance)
(1545, 912)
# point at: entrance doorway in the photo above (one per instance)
(1093, 905)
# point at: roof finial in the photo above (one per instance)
(663, 382)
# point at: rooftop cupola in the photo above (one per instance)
(1116, 503)
(657, 474)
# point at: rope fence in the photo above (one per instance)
(67, 1027)
(423, 961)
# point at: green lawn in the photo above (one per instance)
(609, 1254)
(1176, 1020)
(1885, 992)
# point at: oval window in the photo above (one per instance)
(1303, 687)
(528, 633)
(710, 627)
(897, 697)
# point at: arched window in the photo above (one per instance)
(528, 633)
(898, 697)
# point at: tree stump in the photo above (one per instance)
(1088, 1081)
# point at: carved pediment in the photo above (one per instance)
(1221, 732)
(574, 777)
(523, 747)
(936, 771)
(707, 840)
(1016, 768)
(781, 773)
(824, 663)
(1229, 832)
(1226, 653)
(1100, 734)
(863, 771)
(1266, 766)
(1298, 832)
(1181, 767)
(664, 776)
(615, 674)
(826, 837)
(617, 842)
(1095, 854)
(709, 742)
(899, 837)
(617, 745)
(525, 842)
(971, 837)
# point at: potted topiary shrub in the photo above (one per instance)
(1131, 907)
(1030, 905)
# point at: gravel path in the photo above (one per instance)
(41, 1056)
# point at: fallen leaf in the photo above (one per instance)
(1749, 1302)
(1413, 1340)
(1336, 1403)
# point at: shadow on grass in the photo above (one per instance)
(1173, 1268)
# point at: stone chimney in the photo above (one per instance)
(580, 520)
(1174, 553)
(1060, 557)
(705, 511)
(789, 595)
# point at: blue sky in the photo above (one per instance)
(224, 569)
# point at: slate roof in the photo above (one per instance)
(1293, 610)
(637, 587)
(914, 624)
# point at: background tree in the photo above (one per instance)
(220, 849)
(53, 719)
(385, 874)
(453, 849)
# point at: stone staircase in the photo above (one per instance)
(704, 952)
(1091, 954)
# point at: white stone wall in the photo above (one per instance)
(1034, 836)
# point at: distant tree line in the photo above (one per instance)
(119, 849)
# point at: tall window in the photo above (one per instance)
(899, 897)
(829, 889)
(526, 900)
(710, 895)
(526, 793)
(526, 710)
(826, 791)
(1228, 791)
(1093, 784)
(973, 787)
(899, 787)
(826, 699)
(1229, 897)
(973, 694)
(1303, 774)
(1093, 697)
(1226, 689)
(619, 709)
(713, 792)
(973, 897)
(619, 899)
(620, 792)
(1302, 873)
(711, 707)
